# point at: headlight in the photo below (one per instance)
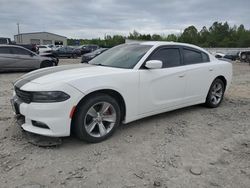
(49, 96)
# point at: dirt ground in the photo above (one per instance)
(192, 147)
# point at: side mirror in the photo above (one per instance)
(154, 64)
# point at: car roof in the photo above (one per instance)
(10, 45)
(16, 46)
(163, 43)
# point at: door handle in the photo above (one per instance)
(211, 69)
(181, 76)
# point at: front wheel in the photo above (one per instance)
(215, 94)
(97, 118)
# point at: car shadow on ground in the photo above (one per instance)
(122, 130)
(125, 129)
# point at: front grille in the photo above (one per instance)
(24, 96)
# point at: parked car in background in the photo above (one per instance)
(234, 55)
(31, 47)
(52, 56)
(126, 83)
(52, 46)
(245, 56)
(229, 56)
(88, 56)
(14, 57)
(219, 55)
(66, 52)
(77, 51)
(88, 48)
(44, 49)
(4, 40)
(58, 46)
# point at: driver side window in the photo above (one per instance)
(170, 57)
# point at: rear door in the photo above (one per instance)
(6, 58)
(200, 73)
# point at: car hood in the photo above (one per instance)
(65, 73)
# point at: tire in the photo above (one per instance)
(215, 94)
(57, 61)
(90, 124)
(74, 56)
(243, 56)
(45, 64)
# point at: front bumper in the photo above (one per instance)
(54, 117)
(85, 59)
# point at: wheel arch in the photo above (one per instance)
(223, 79)
(111, 92)
(45, 61)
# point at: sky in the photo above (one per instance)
(97, 18)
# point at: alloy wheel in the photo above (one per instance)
(100, 119)
(216, 93)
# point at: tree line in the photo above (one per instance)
(218, 35)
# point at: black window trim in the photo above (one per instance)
(182, 48)
(24, 49)
(164, 47)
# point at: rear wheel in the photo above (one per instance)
(45, 64)
(215, 94)
(97, 118)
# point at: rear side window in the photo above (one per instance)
(170, 57)
(5, 50)
(205, 57)
(192, 57)
(20, 51)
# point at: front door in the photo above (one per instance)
(24, 58)
(6, 58)
(162, 88)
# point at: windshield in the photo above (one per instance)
(122, 56)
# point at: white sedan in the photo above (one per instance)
(44, 49)
(125, 83)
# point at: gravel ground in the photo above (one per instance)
(191, 147)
